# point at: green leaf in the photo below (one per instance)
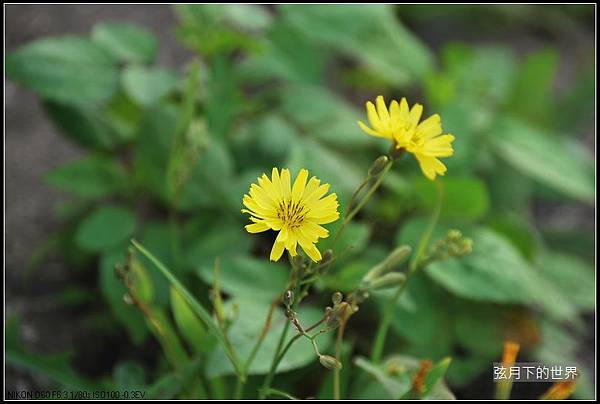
(127, 43)
(113, 292)
(82, 124)
(90, 177)
(531, 95)
(556, 162)
(464, 197)
(148, 85)
(248, 278)
(248, 326)
(288, 56)
(423, 317)
(104, 228)
(189, 325)
(370, 33)
(324, 116)
(571, 275)
(154, 140)
(495, 272)
(68, 69)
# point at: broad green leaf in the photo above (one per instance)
(495, 272)
(518, 231)
(248, 326)
(288, 56)
(571, 275)
(464, 197)
(90, 177)
(248, 278)
(154, 140)
(532, 95)
(223, 238)
(328, 165)
(325, 116)
(189, 325)
(148, 85)
(67, 69)
(82, 124)
(127, 43)
(423, 317)
(556, 162)
(114, 291)
(370, 33)
(105, 227)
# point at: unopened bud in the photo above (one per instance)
(330, 362)
(336, 298)
(288, 298)
(454, 235)
(390, 280)
(128, 299)
(327, 256)
(378, 166)
(392, 261)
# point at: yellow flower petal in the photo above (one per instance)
(256, 227)
(299, 185)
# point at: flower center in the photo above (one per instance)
(292, 213)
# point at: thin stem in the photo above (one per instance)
(414, 265)
(385, 323)
(275, 362)
(348, 217)
(338, 354)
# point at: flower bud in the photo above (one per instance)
(392, 261)
(288, 298)
(387, 281)
(327, 257)
(330, 362)
(336, 298)
(378, 166)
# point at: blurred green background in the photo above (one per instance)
(151, 122)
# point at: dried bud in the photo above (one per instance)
(390, 280)
(330, 362)
(336, 298)
(288, 298)
(378, 166)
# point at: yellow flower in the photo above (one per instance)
(401, 125)
(295, 211)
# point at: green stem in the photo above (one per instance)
(348, 217)
(414, 265)
(385, 324)
(284, 332)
